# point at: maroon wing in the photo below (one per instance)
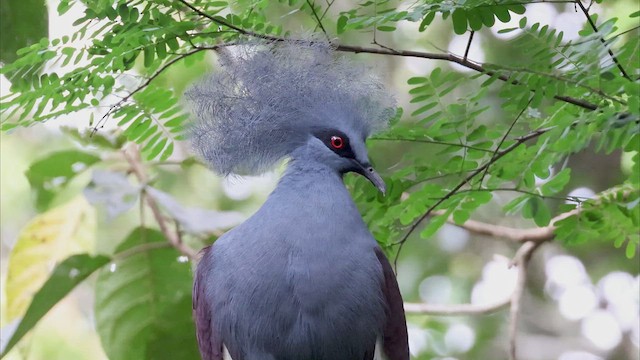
(209, 342)
(395, 339)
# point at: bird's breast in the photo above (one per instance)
(300, 279)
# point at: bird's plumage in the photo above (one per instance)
(270, 95)
(303, 278)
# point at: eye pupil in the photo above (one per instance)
(337, 142)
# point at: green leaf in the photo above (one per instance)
(107, 140)
(143, 301)
(475, 21)
(157, 148)
(49, 175)
(149, 53)
(386, 28)
(417, 80)
(22, 23)
(536, 208)
(459, 18)
(632, 245)
(502, 13)
(44, 241)
(461, 216)
(516, 204)
(557, 183)
(435, 223)
(529, 207)
(426, 21)
(342, 22)
(65, 277)
(523, 22)
(487, 16)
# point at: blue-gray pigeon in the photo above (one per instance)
(303, 278)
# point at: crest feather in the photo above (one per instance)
(269, 96)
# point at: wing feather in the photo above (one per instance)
(209, 342)
(395, 342)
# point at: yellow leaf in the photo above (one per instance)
(45, 241)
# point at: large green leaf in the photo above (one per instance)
(143, 302)
(48, 175)
(22, 23)
(66, 276)
(48, 239)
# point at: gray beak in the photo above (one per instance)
(367, 171)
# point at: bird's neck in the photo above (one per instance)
(309, 175)
(313, 196)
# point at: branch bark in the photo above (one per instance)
(535, 235)
(132, 155)
(456, 309)
(521, 260)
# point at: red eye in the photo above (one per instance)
(337, 142)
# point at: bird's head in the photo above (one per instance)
(344, 151)
(273, 100)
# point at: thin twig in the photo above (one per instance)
(220, 21)
(562, 79)
(504, 137)
(576, 199)
(466, 51)
(132, 155)
(585, 11)
(141, 87)
(428, 141)
(329, 5)
(318, 20)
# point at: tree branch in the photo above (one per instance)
(220, 21)
(318, 20)
(585, 11)
(577, 199)
(428, 141)
(466, 51)
(534, 235)
(141, 87)
(132, 156)
(329, 5)
(519, 141)
(504, 137)
(386, 51)
(460, 61)
(521, 260)
(455, 309)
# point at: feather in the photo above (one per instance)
(395, 343)
(268, 97)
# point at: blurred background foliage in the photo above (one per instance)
(520, 114)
